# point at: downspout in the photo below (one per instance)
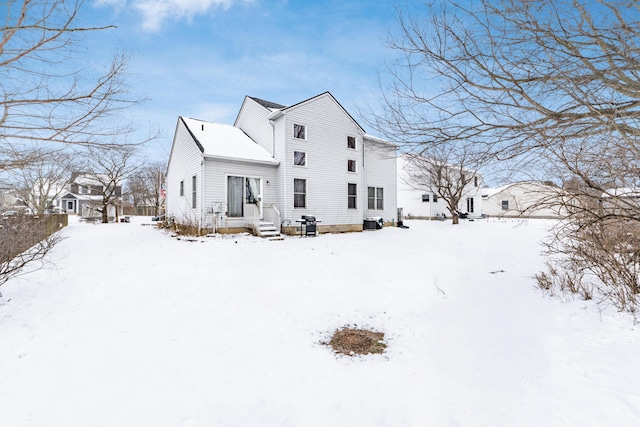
(363, 190)
(201, 206)
(284, 184)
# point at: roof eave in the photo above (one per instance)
(240, 159)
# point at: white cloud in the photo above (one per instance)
(156, 12)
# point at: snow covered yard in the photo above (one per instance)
(135, 328)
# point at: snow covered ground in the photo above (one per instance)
(135, 328)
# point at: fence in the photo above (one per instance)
(17, 234)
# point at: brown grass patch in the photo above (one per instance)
(351, 341)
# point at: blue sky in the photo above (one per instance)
(199, 58)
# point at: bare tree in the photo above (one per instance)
(544, 86)
(109, 169)
(145, 187)
(437, 173)
(48, 96)
(44, 179)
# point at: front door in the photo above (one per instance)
(71, 206)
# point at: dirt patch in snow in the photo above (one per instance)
(351, 342)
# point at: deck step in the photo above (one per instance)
(269, 231)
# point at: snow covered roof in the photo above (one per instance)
(226, 142)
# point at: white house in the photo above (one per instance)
(531, 199)
(419, 200)
(277, 164)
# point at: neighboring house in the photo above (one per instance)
(621, 201)
(277, 164)
(419, 201)
(48, 195)
(10, 200)
(84, 195)
(531, 199)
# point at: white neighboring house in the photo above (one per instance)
(48, 194)
(277, 164)
(531, 199)
(418, 201)
(621, 202)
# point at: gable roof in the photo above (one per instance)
(291, 107)
(279, 109)
(268, 104)
(222, 141)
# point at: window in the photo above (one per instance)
(299, 158)
(242, 191)
(194, 193)
(475, 181)
(235, 195)
(505, 205)
(351, 142)
(299, 131)
(181, 188)
(425, 197)
(470, 204)
(379, 199)
(352, 196)
(435, 199)
(375, 198)
(299, 193)
(351, 165)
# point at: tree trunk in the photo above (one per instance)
(105, 214)
(455, 217)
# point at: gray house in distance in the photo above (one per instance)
(277, 164)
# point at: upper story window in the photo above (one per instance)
(181, 188)
(351, 165)
(425, 197)
(351, 142)
(475, 181)
(299, 158)
(299, 131)
(505, 205)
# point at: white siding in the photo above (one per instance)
(184, 163)
(215, 190)
(327, 127)
(252, 119)
(380, 172)
(529, 199)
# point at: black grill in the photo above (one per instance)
(310, 225)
